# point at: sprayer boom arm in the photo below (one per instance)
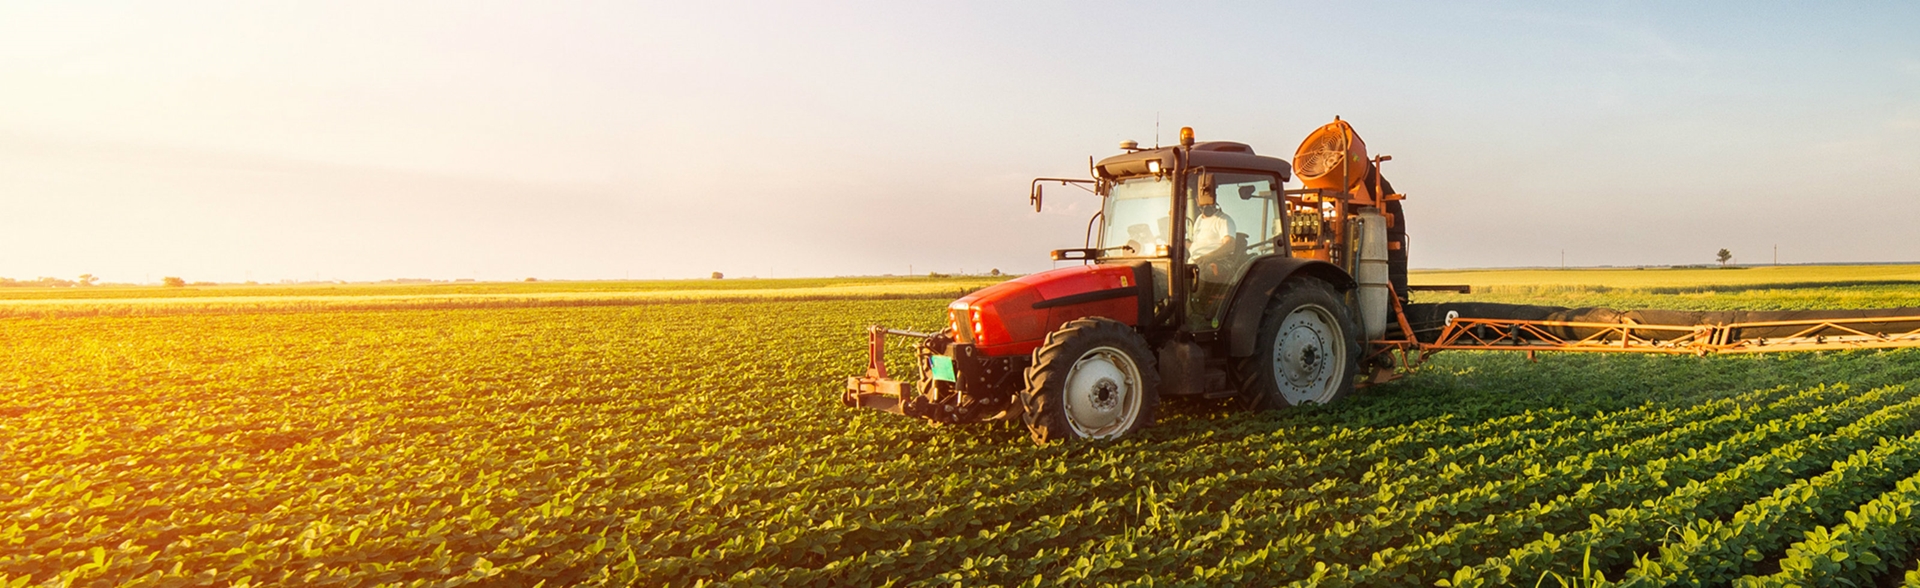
(1808, 335)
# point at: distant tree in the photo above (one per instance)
(995, 272)
(533, 279)
(173, 282)
(1724, 256)
(88, 279)
(719, 276)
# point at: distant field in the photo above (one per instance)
(157, 300)
(1760, 288)
(1654, 279)
(609, 287)
(680, 433)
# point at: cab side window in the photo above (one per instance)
(1231, 219)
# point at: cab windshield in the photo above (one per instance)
(1136, 221)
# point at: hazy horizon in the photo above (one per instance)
(969, 274)
(365, 141)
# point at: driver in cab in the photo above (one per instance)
(1211, 229)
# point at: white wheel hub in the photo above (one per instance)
(1307, 355)
(1103, 393)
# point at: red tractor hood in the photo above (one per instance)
(1014, 317)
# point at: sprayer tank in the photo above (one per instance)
(1370, 271)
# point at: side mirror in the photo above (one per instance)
(1037, 193)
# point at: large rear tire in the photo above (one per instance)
(1307, 350)
(1093, 378)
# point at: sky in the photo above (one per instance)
(231, 141)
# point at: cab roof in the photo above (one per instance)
(1211, 154)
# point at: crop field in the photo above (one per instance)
(547, 434)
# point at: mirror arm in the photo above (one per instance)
(1035, 193)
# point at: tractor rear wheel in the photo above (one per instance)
(1307, 350)
(1093, 378)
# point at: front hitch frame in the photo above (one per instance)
(976, 390)
(876, 390)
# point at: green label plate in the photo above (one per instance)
(940, 367)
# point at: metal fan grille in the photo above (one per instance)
(1322, 156)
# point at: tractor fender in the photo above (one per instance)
(1263, 278)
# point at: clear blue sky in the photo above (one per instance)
(343, 140)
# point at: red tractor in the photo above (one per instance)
(1250, 294)
(1208, 278)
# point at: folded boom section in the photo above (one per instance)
(1512, 327)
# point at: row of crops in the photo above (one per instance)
(703, 443)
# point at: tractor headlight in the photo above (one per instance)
(961, 324)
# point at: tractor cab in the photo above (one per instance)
(1229, 202)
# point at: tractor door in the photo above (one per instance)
(1232, 219)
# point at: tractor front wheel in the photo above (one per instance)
(1306, 351)
(1093, 379)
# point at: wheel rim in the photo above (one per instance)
(1103, 393)
(1307, 355)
